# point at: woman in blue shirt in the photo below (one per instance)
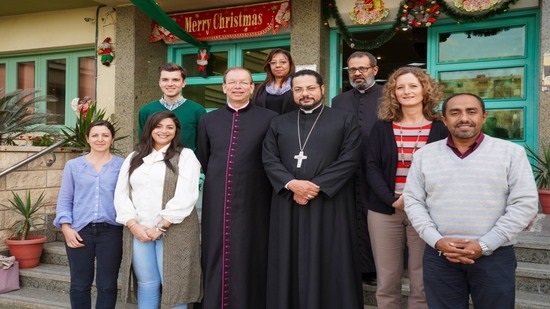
(86, 214)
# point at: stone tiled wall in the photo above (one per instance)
(35, 176)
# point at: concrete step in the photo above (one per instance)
(33, 298)
(533, 278)
(49, 277)
(54, 253)
(525, 300)
(533, 249)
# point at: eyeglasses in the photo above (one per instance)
(360, 69)
(282, 62)
(233, 83)
(309, 89)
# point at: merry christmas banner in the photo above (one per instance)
(228, 23)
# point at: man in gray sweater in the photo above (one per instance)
(468, 196)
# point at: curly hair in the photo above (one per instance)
(390, 108)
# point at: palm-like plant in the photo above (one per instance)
(541, 166)
(17, 116)
(76, 135)
(28, 210)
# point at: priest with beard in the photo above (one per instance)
(236, 198)
(363, 101)
(310, 156)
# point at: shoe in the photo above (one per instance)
(369, 278)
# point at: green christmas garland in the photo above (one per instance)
(330, 10)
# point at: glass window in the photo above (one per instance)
(211, 96)
(253, 59)
(249, 54)
(505, 124)
(65, 75)
(56, 76)
(217, 64)
(488, 83)
(505, 42)
(86, 69)
(25, 75)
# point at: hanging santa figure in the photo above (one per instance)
(106, 52)
(202, 62)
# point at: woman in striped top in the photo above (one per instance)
(408, 120)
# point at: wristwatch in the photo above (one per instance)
(484, 249)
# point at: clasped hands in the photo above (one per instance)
(304, 190)
(463, 251)
(145, 234)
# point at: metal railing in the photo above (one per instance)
(35, 156)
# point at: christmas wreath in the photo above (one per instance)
(419, 13)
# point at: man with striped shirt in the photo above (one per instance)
(468, 196)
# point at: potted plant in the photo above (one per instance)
(541, 169)
(75, 136)
(26, 248)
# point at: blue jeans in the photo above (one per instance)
(147, 265)
(103, 247)
(490, 281)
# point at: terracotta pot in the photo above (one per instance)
(27, 252)
(544, 199)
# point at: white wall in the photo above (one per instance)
(62, 30)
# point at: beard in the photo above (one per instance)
(366, 84)
(310, 106)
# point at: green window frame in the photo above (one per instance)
(71, 61)
(234, 50)
(516, 105)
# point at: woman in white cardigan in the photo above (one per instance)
(155, 197)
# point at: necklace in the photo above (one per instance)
(402, 148)
(300, 156)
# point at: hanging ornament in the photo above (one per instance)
(475, 5)
(418, 14)
(106, 52)
(367, 12)
(202, 62)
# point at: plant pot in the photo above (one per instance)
(544, 200)
(27, 252)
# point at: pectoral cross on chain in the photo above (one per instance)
(300, 157)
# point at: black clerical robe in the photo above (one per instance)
(313, 259)
(365, 106)
(235, 207)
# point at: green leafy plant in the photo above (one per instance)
(44, 140)
(28, 210)
(76, 135)
(18, 117)
(540, 163)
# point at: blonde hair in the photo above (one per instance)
(390, 108)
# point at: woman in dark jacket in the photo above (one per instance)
(408, 120)
(275, 93)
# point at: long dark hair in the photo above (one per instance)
(145, 146)
(269, 78)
